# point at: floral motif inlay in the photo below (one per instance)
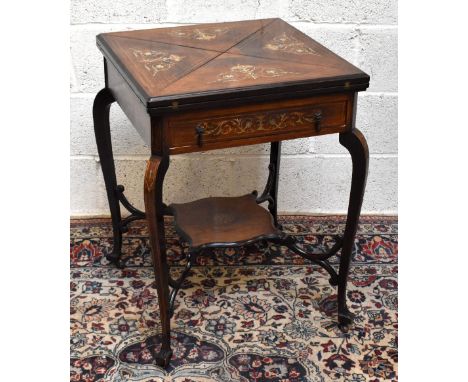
(288, 44)
(258, 122)
(200, 34)
(156, 61)
(250, 72)
(150, 174)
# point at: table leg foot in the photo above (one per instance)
(116, 259)
(163, 358)
(345, 320)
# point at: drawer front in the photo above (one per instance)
(260, 123)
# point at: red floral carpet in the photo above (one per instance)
(250, 314)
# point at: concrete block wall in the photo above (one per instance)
(315, 172)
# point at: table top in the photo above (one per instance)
(223, 61)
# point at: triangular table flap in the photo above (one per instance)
(218, 37)
(281, 41)
(236, 71)
(155, 65)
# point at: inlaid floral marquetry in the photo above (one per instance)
(258, 122)
(191, 64)
(200, 34)
(246, 72)
(289, 44)
(156, 61)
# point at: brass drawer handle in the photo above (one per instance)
(200, 130)
(317, 119)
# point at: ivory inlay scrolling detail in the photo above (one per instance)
(200, 34)
(259, 122)
(289, 44)
(250, 72)
(155, 61)
(150, 175)
(152, 166)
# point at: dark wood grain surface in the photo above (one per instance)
(259, 123)
(176, 67)
(221, 220)
(218, 37)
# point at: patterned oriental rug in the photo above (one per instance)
(249, 314)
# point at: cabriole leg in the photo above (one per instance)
(270, 193)
(356, 144)
(155, 171)
(101, 107)
(275, 157)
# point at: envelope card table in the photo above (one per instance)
(211, 86)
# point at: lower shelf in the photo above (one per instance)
(223, 221)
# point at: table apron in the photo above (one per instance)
(258, 123)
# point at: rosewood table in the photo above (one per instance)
(211, 86)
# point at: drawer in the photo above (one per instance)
(236, 126)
